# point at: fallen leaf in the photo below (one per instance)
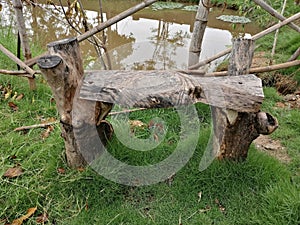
(61, 170)
(7, 94)
(42, 218)
(221, 207)
(14, 96)
(200, 196)
(20, 97)
(80, 169)
(47, 132)
(13, 172)
(137, 123)
(49, 120)
(12, 157)
(13, 106)
(20, 220)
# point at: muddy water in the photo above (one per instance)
(150, 39)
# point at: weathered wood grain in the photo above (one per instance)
(235, 130)
(155, 89)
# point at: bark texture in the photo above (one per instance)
(63, 71)
(235, 130)
(23, 36)
(198, 32)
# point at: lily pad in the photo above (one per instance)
(234, 19)
(190, 8)
(166, 5)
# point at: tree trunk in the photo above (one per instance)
(63, 70)
(23, 36)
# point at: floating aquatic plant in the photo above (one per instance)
(166, 5)
(234, 19)
(190, 8)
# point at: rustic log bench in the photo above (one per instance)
(235, 100)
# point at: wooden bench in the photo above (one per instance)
(235, 100)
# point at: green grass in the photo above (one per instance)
(261, 190)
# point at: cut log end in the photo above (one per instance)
(62, 42)
(49, 61)
(267, 124)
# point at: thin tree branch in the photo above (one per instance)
(16, 60)
(252, 70)
(42, 125)
(254, 37)
(295, 55)
(274, 13)
(115, 19)
(19, 73)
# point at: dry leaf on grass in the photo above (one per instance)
(7, 94)
(13, 106)
(42, 218)
(221, 207)
(12, 157)
(47, 132)
(20, 220)
(80, 169)
(13, 172)
(199, 196)
(137, 123)
(61, 170)
(48, 120)
(20, 97)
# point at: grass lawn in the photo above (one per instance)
(261, 190)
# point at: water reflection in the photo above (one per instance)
(163, 45)
(147, 40)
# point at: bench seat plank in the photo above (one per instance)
(158, 89)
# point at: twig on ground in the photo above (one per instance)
(42, 125)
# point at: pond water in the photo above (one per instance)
(150, 39)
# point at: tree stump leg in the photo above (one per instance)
(241, 131)
(63, 71)
(235, 131)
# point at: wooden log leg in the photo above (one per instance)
(235, 131)
(63, 71)
(241, 131)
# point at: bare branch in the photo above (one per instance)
(254, 37)
(18, 61)
(274, 13)
(115, 19)
(42, 125)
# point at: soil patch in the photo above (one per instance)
(272, 147)
(290, 101)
